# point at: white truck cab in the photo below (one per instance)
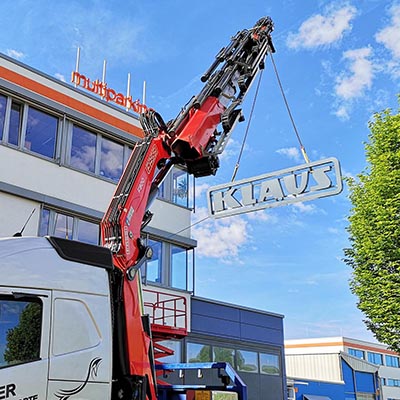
(55, 320)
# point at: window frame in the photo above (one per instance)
(58, 131)
(371, 357)
(391, 362)
(99, 135)
(167, 189)
(236, 348)
(166, 273)
(75, 223)
(279, 366)
(25, 106)
(353, 352)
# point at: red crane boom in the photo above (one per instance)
(191, 140)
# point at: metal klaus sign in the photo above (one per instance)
(304, 182)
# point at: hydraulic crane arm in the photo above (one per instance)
(192, 140)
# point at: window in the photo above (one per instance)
(180, 194)
(224, 354)
(176, 187)
(242, 360)
(365, 396)
(392, 382)
(41, 133)
(392, 361)
(69, 313)
(32, 129)
(94, 153)
(179, 265)
(176, 347)
(3, 104)
(83, 149)
(153, 267)
(63, 225)
(55, 223)
(269, 364)
(247, 361)
(14, 129)
(111, 159)
(198, 353)
(20, 330)
(375, 358)
(170, 266)
(88, 232)
(357, 353)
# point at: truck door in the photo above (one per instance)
(24, 343)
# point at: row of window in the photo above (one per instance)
(171, 265)
(50, 136)
(240, 359)
(376, 358)
(390, 382)
(42, 133)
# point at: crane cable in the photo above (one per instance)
(247, 128)
(302, 148)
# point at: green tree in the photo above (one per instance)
(23, 341)
(202, 356)
(374, 253)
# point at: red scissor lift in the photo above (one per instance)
(168, 317)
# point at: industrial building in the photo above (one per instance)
(332, 365)
(63, 147)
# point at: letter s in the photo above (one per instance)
(321, 177)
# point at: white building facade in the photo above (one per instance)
(62, 151)
(375, 354)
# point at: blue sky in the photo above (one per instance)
(339, 62)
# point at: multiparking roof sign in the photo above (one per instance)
(291, 185)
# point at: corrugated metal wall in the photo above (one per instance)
(322, 367)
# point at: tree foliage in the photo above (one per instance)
(23, 341)
(374, 230)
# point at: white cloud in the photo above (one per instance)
(221, 239)
(59, 76)
(201, 189)
(334, 231)
(320, 30)
(305, 208)
(342, 113)
(262, 215)
(291, 152)
(390, 38)
(353, 83)
(232, 149)
(18, 55)
(349, 86)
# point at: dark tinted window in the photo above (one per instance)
(20, 330)
(41, 133)
(3, 103)
(15, 123)
(111, 159)
(83, 149)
